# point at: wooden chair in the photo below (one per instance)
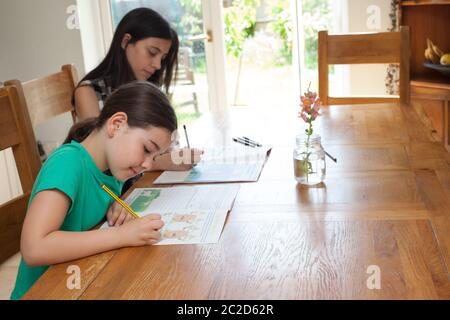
(49, 96)
(16, 132)
(381, 48)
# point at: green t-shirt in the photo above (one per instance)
(71, 170)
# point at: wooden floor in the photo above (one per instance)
(386, 203)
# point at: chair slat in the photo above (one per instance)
(9, 133)
(49, 96)
(12, 215)
(364, 48)
(16, 132)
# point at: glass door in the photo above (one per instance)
(193, 89)
(261, 68)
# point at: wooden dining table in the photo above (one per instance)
(377, 227)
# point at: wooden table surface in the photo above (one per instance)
(386, 203)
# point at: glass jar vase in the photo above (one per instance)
(309, 160)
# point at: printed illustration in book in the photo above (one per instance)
(191, 215)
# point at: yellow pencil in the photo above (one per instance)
(123, 204)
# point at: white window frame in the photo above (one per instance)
(215, 54)
(96, 30)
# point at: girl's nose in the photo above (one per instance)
(147, 164)
(157, 63)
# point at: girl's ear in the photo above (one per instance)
(118, 122)
(125, 40)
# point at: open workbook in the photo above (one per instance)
(191, 215)
(232, 164)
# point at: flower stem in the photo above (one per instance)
(309, 133)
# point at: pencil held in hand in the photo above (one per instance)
(123, 204)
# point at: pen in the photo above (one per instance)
(123, 204)
(186, 134)
(246, 143)
(331, 157)
(187, 141)
(252, 141)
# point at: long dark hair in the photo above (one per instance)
(145, 106)
(140, 23)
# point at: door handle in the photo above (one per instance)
(201, 37)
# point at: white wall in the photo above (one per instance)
(35, 41)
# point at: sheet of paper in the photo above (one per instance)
(192, 215)
(234, 164)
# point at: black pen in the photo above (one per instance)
(188, 145)
(186, 134)
(252, 141)
(247, 142)
(244, 142)
(331, 157)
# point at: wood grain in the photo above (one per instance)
(432, 99)
(385, 203)
(311, 260)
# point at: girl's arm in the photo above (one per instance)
(86, 103)
(43, 244)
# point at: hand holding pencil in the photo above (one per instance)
(118, 215)
(141, 232)
(133, 232)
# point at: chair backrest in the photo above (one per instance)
(364, 48)
(49, 96)
(16, 133)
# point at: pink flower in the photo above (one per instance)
(304, 116)
(306, 108)
(310, 106)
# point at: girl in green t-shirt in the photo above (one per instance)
(136, 124)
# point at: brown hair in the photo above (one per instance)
(144, 104)
(140, 23)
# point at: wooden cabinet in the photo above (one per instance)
(434, 99)
(429, 89)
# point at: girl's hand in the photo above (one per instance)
(140, 232)
(118, 215)
(178, 160)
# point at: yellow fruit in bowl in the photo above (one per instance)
(445, 59)
(432, 52)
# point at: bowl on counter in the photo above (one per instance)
(444, 69)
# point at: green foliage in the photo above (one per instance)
(186, 116)
(191, 21)
(240, 24)
(283, 26)
(317, 16)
